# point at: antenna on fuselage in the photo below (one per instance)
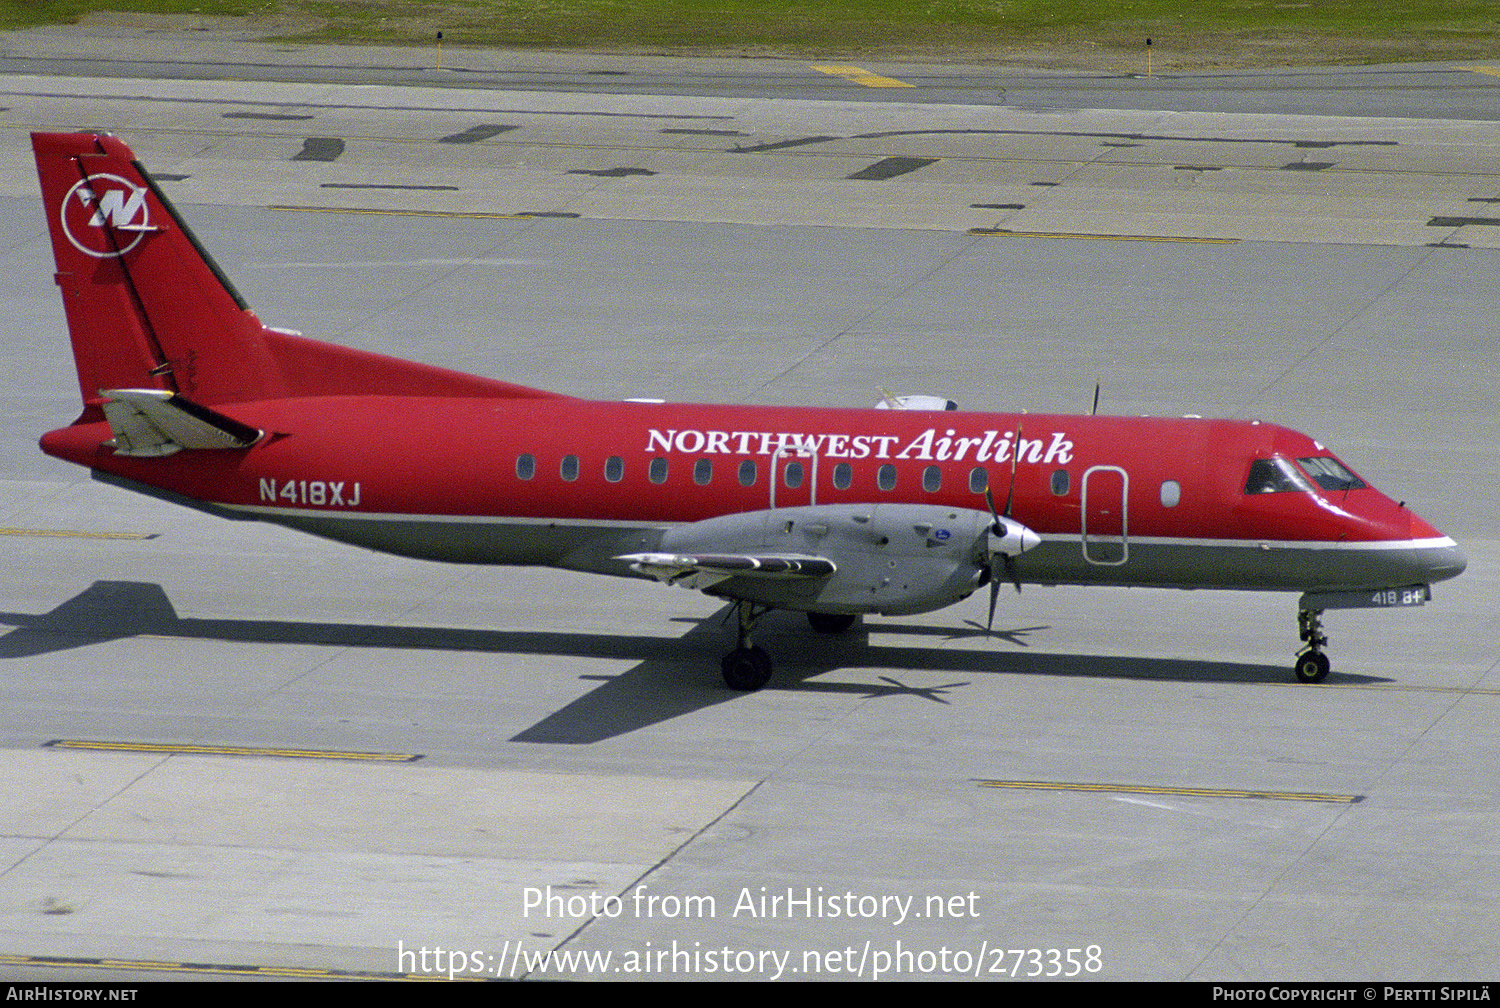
(1095, 410)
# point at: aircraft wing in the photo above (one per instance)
(704, 570)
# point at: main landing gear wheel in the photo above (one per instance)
(746, 668)
(831, 623)
(1312, 663)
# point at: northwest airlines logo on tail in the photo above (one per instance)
(105, 216)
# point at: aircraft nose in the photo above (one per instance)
(1404, 547)
(1439, 563)
(1434, 556)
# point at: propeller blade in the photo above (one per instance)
(1006, 561)
(1001, 528)
(1015, 455)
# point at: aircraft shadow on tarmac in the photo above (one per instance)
(675, 676)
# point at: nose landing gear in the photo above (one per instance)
(1312, 663)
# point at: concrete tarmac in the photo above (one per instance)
(585, 785)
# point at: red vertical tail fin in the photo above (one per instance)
(149, 309)
(146, 306)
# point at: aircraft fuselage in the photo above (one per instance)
(1115, 500)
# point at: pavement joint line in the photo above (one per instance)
(1391, 687)
(224, 750)
(405, 213)
(568, 145)
(161, 966)
(1181, 791)
(359, 108)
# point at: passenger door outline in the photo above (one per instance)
(1105, 549)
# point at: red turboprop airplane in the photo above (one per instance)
(900, 509)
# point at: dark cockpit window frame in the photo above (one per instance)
(1275, 475)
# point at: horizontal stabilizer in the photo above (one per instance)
(157, 422)
(706, 570)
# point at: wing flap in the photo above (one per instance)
(704, 570)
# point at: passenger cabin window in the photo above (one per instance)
(614, 468)
(1330, 475)
(885, 477)
(843, 475)
(703, 471)
(1060, 483)
(932, 479)
(525, 466)
(657, 471)
(568, 469)
(1275, 475)
(747, 473)
(1171, 493)
(979, 480)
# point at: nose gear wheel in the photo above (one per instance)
(1312, 663)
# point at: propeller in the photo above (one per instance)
(1007, 539)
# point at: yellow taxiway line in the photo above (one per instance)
(1192, 792)
(1099, 237)
(67, 534)
(860, 75)
(216, 750)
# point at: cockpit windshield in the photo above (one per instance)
(1275, 475)
(1330, 475)
(1279, 475)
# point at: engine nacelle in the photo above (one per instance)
(895, 559)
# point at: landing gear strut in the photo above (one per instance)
(1312, 663)
(747, 667)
